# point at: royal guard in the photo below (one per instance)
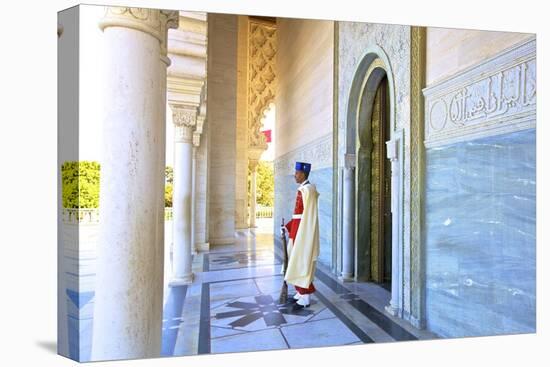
(303, 233)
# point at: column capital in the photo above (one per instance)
(184, 119)
(141, 19)
(146, 20)
(183, 115)
(168, 19)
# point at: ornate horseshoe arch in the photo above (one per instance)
(371, 71)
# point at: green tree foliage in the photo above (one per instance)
(169, 174)
(168, 195)
(168, 186)
(265, 190)
(80, 184)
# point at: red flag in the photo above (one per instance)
(267, 134)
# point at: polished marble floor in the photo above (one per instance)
(233, 306)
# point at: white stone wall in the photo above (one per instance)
(304, 98)
(449, 51)
(480, 226)
(305, 118)
(221, 120)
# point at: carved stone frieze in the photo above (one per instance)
(318, 152)
(496, 96)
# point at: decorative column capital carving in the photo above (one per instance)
(183, 115)
(184, 119)
(141, 19)
(168, 19)
(152, 21)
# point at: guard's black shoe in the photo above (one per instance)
(298, 307)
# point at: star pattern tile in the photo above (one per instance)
(264, 308)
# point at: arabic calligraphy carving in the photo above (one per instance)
(496, 95)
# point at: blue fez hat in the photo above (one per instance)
(301, 166)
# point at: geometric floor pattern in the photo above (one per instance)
(232, 306)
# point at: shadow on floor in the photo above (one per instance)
(48, 345)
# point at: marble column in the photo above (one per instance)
(201, 185)
(348, 240)
(184, 118)
(129, 281)
(254, 173)
(393, 156)
(193, 198)
(186, 81)
(169, 19)
(196, 144)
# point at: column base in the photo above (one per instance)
(346, 277)
(392, 310)
(417, 323)
(175, 282)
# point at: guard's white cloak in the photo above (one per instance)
(303, 257)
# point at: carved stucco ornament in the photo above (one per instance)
(262, 78)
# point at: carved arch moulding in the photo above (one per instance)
(262, 51)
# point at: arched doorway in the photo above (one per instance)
(373, 179)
